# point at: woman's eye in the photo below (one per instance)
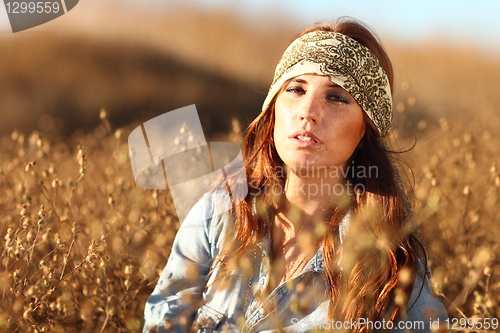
(338, 98)
(295, 90)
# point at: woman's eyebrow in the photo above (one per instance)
(299, 80)
(304, 81)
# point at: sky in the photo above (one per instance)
(454, 21)
(457, 21)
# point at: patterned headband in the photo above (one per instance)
(348, 64)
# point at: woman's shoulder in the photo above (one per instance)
(213, 213)
(216, 203)
(226, 193)
(210, 205)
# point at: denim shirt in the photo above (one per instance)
(187, 294)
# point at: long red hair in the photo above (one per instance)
(376, 278)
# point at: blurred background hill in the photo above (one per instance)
(62, 80)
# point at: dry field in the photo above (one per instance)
(82, 246)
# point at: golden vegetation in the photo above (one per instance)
(83, 246)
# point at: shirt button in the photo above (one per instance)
(262, 311)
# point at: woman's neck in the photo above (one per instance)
(312, 197)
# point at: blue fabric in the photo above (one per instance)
(186, 293)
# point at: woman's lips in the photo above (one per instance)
(305, 139)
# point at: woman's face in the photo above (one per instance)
(318, 124)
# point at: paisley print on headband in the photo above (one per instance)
(348, 64)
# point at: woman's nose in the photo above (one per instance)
(308, 109)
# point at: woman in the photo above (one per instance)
(323, 240)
